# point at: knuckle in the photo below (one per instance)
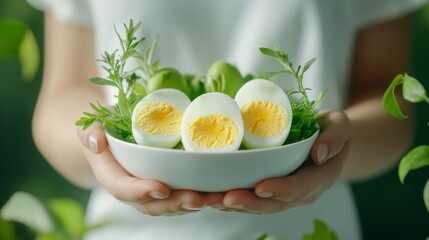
(146, 210)
(118, 195)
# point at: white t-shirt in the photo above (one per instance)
(194, 34)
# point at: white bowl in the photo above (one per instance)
(210, 172)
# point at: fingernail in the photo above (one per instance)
(192, 207)
(158, 195)
(266, 194)
(218, 206)
(92, 143)
(322, 152)
(238, 206)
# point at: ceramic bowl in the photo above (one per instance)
(210, 172)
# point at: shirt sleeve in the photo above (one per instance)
(71, 11)
(364, 12)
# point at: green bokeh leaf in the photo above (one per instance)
(415, 159)
(426, 195)
(16, 39)
(24, 208)
(7, 230)
(29, 56)
(11, 35)
(69, 214)
(51, 236)
(321, 232)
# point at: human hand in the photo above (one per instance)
(305, 185)
(147, 196)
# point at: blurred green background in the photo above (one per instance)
(388, 210)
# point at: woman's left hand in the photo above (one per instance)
(305, 185)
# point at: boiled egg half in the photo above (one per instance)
(157, 118)
(266, 112)
(212, 123)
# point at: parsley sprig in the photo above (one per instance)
(132, 86)
(118, 119)
(304, 123)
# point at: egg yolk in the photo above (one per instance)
(263, 118)
(159, 118)
(213, 131)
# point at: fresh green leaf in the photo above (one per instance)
(269, 52)
(138, 89)
(195, 85)
(24, 208)
(413, 91)
(321, 232)
(281, 57)
(123, 104)
(102, 81)
(271, 75)
(389, 98)
(319, 98)
(415, 159)
(308, 65)
(149, 52)
(146, 66)
(128, 54)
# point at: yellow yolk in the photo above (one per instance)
(213, 131)
(158, 118)
(263, 118)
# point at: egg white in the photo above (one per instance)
(207, 104)
(260, 90)
(170, 96)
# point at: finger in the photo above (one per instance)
(310, 180)
(93, 138)
(121, 184)
(246, 201)
(335, 132)
(179, 202)
(215, 200)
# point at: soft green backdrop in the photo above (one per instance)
(388, 209)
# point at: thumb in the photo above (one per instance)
(93, 138)
(335, 132)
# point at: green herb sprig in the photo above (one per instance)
(118, 120)
(133, 85)
(304, 123)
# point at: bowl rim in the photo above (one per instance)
(181, 151)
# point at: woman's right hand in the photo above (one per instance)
(150, 197)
